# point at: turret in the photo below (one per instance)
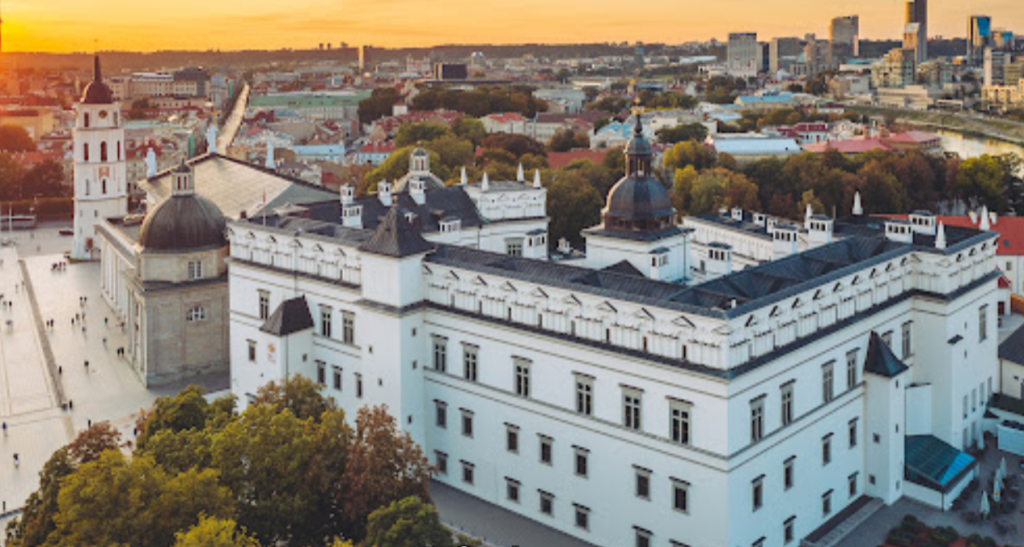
(384, 193)
(858, 210)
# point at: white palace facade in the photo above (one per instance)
(619, 401)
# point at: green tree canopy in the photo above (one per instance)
(683, 132)
(420, 133)
(408, 522)
(980, 181)
(578, 205)
(214, 532)
(689, 153)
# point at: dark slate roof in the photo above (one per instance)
(881, 360)
(395, 236)
(290, 317)
(1012, 349)
(637, 197)
(439, 204)
(183, 222)
(624, 267)
(636, 236)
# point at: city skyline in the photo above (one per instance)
(56, 25)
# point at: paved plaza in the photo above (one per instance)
(30, 385)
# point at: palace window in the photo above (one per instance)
(546, 449)
(512, 490)
(631, 408)
(470, 358)
(512, 438)
(827, 382)
(195, 269)
(441, 414)
(582, 461)
(643, 483)
(326, 321)
(264, 307)
(681, 495)
(584, 394)
(582, 517)
(851, 369)
(757, 419)
(787, 402)
(522, 370)
(788, 472)
(467, 423)
(348, 327)
(440, 353)
(679, 419)
(547, 502)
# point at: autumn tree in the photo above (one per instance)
(689, 153)
(980, 181)
(566, 139)
(296, 393)
(14, 138)
(682, 132)
(215, 532)
(517, 145)
(409, 522)
(471, 129)
(378, 105)
(417, 133)
(383, 465)
(577, 204)
(120, 501)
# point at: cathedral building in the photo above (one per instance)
(619, 398)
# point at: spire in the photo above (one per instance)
(638, 150)
(985, 224)
(536, 178)
(519, 174)
(485, 184)
(940, 237)
(463, 181)
(857, 209)
(97, 74)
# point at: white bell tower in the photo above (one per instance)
(100, 168)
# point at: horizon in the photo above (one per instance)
(55, 26)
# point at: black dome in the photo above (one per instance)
(97, 92)
(183, 222)
(638, 197)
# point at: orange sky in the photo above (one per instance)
(80, 25)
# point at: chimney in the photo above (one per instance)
(820, 228)
(760, 219)
(536, 178)
(984, 223)
(940, 237)
(564, 247)
(737, 214)
(858, 210)
(973, 216)
(384, 193)
(520, 177)
(347, 194)
(784, 240)
(485, 184)
(417, 191)
(899, 230)
(719, 259)
(463, 180)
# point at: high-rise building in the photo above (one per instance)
(994, 66)
(844, 38)
(896, 69)
(1003, 39)
(979, 35)
(743, 54)
(917, 12)
(782, 52)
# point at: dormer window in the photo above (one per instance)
(450, 225)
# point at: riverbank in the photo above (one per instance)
(966, 124)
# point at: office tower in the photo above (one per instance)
(917, 13)
(994, 66)
(743, 54)
(844, 38)
(979, 35)
(781, 53)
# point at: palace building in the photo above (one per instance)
(636, 396)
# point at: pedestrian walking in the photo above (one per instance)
(60, 371)
(5, 429)
(17, 462)
(87, 364)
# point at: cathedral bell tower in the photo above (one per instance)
(100, 167)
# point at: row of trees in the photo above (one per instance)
(45, 179)
(289, 470)
(888, 182)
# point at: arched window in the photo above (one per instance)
(103, 151)
(103, 189)
(85, 151)
(88, 187)
(85, 120)
(118, 150)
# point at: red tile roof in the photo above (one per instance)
(912, 137)
(558, 160)
(507, 117)
(378, 148)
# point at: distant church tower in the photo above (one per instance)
(100, 168)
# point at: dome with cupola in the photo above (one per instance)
(638, 202)
(185, 220)
(97, 92)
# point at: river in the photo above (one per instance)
(972, 147)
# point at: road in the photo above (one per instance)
(234, 121)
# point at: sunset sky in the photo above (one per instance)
(82, 25)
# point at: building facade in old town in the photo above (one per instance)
(617, 400)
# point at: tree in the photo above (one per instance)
(610, 104)
(452, 153)
(470, 129)
(12, 175)
(214, 532)
(116, 501)
(689, 153)
(566, 139)
(15, 139)
(517, 145)
(573, 205)
(185, 410)
(980, 181)
(296, 393)
(36, 521)
(264, 458)
(418, 133)
(408, 522)
(879, 189)
(378, 105)
(383, 465)
(92, 442)
(682, 132)
(45, 179)
(715, 188)
(615, 161)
